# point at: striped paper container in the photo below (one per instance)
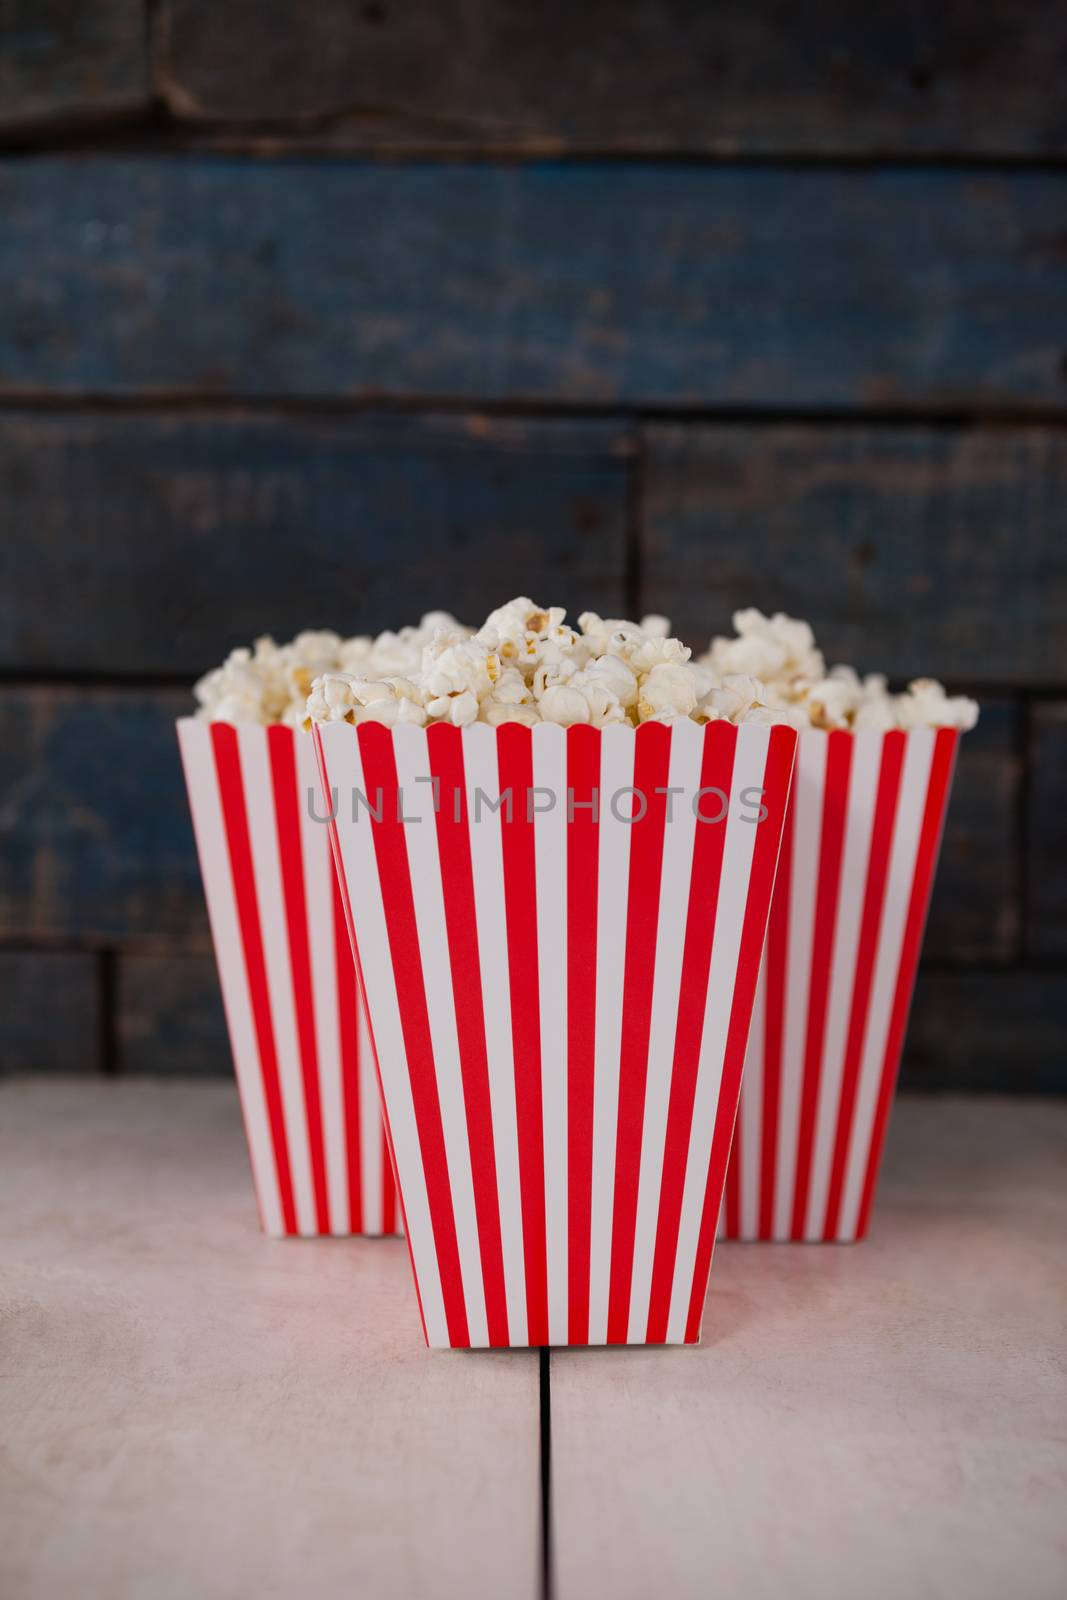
(560, 1006)
(298, 1031)
(858, 856)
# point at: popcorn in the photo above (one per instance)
(781, 652)
(926, 705)
(271, 683)
(776, 649)
(526, 664)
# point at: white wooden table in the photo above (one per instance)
(190, 1409)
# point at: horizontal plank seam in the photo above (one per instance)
(149, 130)
(150, 947)
(283, 405)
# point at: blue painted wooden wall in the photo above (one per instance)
(327, 315)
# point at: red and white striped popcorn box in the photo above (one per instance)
(859, 851)
(559, 960)
(297, 1027)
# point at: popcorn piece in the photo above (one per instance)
(563, 704)
(496, 712)
(734, 697)
(673, 688)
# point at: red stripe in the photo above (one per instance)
(238, 841)
(944, 758)
(379, 767)
(445, 749)
(652, 762)
(282, 749)
(885, 809)
(515, 763)
(775, 962)
(839, 749)
(777, 776)
(348, 1044)
(716, 771)
(583, 836)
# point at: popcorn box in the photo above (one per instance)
(559, 934)
(858, 856)
(297, 1028)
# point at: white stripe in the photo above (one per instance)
(911, 803)
(266, 864)
(481, 773)
(550, 846)
(808, 785)
(686, 757)
(370, 1128)
(748, 1138)
(749, 770)
(345, 770)
(420, 837)
(201, 780)
(318, 893)
(616, 773)
(855, 857)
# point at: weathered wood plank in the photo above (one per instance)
(1002, 1031)
(975, 914)
(95, 838)
(1047, 832)
(169, 1017)
(64, 62)
(219, 1413)
(883, 1409)
(673, 286)
(671, 76)
(912, 551)
(49, 1011)
(190, 534)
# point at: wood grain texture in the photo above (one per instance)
(49, 1011)
(169, 1018)
(989, 1031)
(912, 551)
(976, 911)
(668, 286)
(95, 838)
(194, 533)
(220, 1414)
(71, 61)
(888, 1411)
(671, 76)
(1047, 832)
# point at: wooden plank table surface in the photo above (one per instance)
(189, 1408)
